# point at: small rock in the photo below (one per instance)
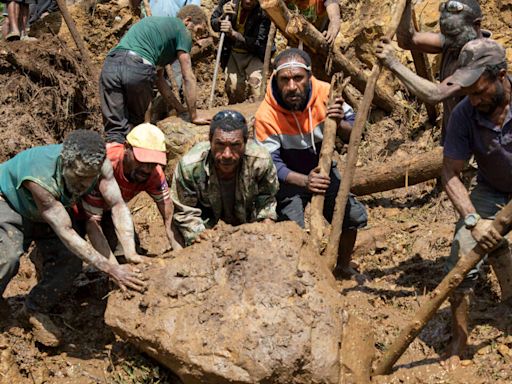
(466, 363)
(485, 350)
(504, 351)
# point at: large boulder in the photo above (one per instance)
(254, 304)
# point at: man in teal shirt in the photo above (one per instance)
(37, 186)
(130, 69)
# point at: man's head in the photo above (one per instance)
(292, 74)
(459, 21)
(228, 136)
(83, 153)
(195, 20)
(145, 149)
(481, 74)
(248, 4)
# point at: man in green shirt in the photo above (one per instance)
(131, 68)
(37, 187)
(229, 178)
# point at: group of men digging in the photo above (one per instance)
(56, 194)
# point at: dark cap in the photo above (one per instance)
(474, 57)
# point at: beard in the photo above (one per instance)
(456, 31)
(497, 100)
(301, 98)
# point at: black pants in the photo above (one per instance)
(126, 88)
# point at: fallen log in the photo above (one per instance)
(439, 295)
(398, 173)
(295, 27)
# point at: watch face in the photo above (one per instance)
(470, 220)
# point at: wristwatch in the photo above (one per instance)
(471, 220)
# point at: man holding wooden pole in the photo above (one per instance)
(290, 124)
(480, 125)
(246, 27)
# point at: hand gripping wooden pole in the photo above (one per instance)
(325, 161)
(217, 65)
(438, 296)
(331, 251)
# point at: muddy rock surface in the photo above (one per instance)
(255, 304)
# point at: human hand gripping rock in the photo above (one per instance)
(486, 235)
(385, 52)
(125, 276)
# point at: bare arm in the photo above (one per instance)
(410, 39)
(98, 239)
(166, 92)
(190, 88)
(333, 13)
(484, 233)
(54, 213)
(121, 216)
(166, 209)
(454, 188)
(425, 90)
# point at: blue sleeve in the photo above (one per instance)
(457, 141)
(282, 169)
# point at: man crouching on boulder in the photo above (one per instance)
(36, 188)
(229, 178)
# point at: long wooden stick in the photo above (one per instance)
(325, 161)
(217, 65)
(76, 37)
(266, 60)
(355, 139)
(439, 295)
(424, 70)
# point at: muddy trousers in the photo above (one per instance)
(126, 89)
(243, 77)
(57, 266)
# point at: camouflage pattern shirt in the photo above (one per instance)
(196, 194)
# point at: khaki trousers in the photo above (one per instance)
(243, 77)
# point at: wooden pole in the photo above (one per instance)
(439, 295)
(76, 37)
(217, 65)
(325, 161)
(266, 60)
(424, 70)
(331, 251)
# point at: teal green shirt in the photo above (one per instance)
(157, 39)
(41, 165)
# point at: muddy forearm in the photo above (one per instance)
(190, 93)
(123, 224)
(457, 193)
(98, 240)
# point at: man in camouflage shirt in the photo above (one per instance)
(229, 178)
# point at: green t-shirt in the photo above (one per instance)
(41, 165)
(157, 39)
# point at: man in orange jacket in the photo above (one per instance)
(290, 123)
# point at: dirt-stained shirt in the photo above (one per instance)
(196, 192)
(156, 186)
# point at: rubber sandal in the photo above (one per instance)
(12, 36)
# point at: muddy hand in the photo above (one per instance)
(486, 235)
(226, 27)
(335, 109)
(127, 277)
(316, 182)
(385, 52)
(331, 33)
(200, 119)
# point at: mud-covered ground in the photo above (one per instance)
(45, 93)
